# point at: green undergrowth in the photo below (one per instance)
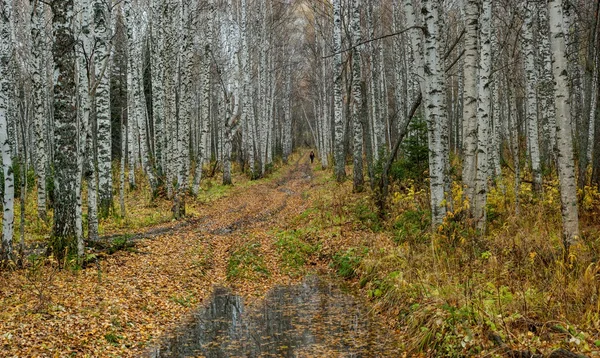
(246, 263)
(296, 248)
(450, 287)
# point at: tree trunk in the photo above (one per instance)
(434, 101)
(6, 252)
(483, 116)
(469, 135)
(65, 121)
(340, 171)
(531, 79)
(357, 113)
(566, 167)
(39, 105)
(102, 31)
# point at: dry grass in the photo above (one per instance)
(449, 289)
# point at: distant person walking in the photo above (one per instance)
(312, 157)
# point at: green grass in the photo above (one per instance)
(294, 249)
(346, 262)
(246, 263)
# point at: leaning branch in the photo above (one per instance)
(376, 39)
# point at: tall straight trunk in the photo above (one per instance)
(531, 80)
(39, 105)
(325, 118)
(483, 116)
(6, 251)
(358, 178)
(571, 29)
(591, 84)
(565, 159)
(287, 116)
(186, 107)
(596, 150)
(495, 153)
(102, 36)
(514, 141)
(546, 89)
(340, 171)
(122, 167)
(434, 101)
(374, 79)
(263, 121)
(87, 158)
(469, 172)
(157, 74)
(65, 120)
(205, 117)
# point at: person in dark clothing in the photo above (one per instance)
(312, 157)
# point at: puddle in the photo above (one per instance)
(312, 319)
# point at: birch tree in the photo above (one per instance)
(39, 103)
(358, 179)
(65, 120)
(340, 171)
(531, 93)
(101, 94)
(469, 172)
(564, 142)
(435, 116)
(5, 88)
(483, 114)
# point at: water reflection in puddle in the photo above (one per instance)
(311, 319)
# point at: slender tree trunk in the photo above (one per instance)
(65, 119)
(531, 80)
(566, 167)
(469, 172)
(6, 251)
(358, 178)
(340, 172)
(434, 101)
(122, 172)
(39, 105)
(102, 31)
(483, 116)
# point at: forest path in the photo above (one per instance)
(133, 297)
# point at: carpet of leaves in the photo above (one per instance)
(130, 299)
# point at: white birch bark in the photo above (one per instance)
(287, 116)
(531, 93)
(186, 105)
(122, 166)
(38, 52)
(565, 158)
(483, 115)
(469, 172)
(6, 45)
(514, 142)
(340, 172)
(358, 178)
(205, 106)
(325, 114)
(546, 85)
(65, 122)
(434, 101)
(158, 95)
(102, 35)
